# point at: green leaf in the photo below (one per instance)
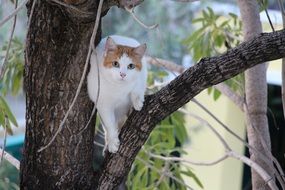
(189, 173)
(217, 94)
(6, 109)
(198, 20)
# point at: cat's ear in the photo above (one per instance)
(110, 45)
(140, 50)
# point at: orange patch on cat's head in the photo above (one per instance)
(114, 52)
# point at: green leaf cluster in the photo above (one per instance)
(11, 81)
(167, 140)
(215, 34)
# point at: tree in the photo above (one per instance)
(256, 96)
(56, 51)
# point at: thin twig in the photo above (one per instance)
(169, 65)
(5, 139)
(4, 64)
(210, 163)
(71, 7)
(98, 144)
(258, 169)
(262, 157)
(173, 67)
(131, 11)
(234, 97)
(229, 152)
(165, 170)
(160, 172)
(89, 120)
(31, 13)
(94, 33)
(12, 160)
(13, 13)
(262, 3)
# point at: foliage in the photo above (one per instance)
(154, 173)
(214, 35)
(11, 81)
(13, 75)
(8, 183)
(166, 140)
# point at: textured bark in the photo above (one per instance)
(207, 72)
(256, 97)
(56, 50)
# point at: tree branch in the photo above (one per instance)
(208, 72)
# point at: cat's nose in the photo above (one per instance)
(122, 75)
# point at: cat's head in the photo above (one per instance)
(123, 63)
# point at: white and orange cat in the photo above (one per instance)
(122, 80)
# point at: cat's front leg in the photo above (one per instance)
(112, 141)
(137, 100)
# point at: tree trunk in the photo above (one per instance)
(56, 50)
(256, 96)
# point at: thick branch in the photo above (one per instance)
(208, 72)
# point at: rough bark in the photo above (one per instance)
(256, 96)
(207, 72)
(56, 50)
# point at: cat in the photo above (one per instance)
(122, 77)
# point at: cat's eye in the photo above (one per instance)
(131, 66)
(115, 64)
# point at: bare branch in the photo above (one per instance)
(72, 7)
(4, 64)
(131, 11)
(233, 96)
(7, 18)
(169, 65)
(173, 67)
(130, 3)
(5, 139)
(10, 159)
(267, 178)
(31, 13)
(163, 173)
(261, 155)
(210, 163)
(230, 153)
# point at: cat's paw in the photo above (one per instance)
(138, 105)
(113, 145)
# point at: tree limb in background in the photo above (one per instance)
(10, 159)
(280, 3)
(15, 12)
(173, 67)
(4, 64)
